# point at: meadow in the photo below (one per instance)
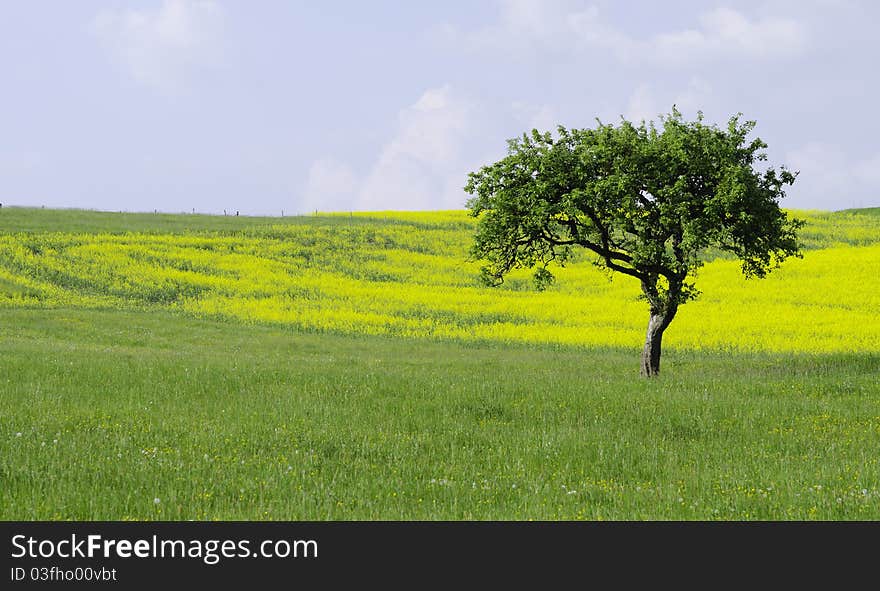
(352, 367)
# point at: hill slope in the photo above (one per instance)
(120, 400)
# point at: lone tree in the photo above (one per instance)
(648, 202)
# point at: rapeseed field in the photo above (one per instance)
(408, 274)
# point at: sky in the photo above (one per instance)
(288, 107)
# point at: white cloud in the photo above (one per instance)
(829, 178)
(531, 25)
(441, 137)
(644, 104)
(422, 166)
(158, 48)
(693, 98)
(527, 25)
(521, 23)
(587, 30)
(331, 186)
(727, 33)
(542, 118)
(528, 17)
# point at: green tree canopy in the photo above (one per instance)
(647, 201)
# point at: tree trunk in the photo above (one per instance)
(653, 341)
(663, 309)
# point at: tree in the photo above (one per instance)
(648, 202)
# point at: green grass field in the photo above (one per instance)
(149, 410)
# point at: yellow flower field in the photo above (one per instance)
(407, 274)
